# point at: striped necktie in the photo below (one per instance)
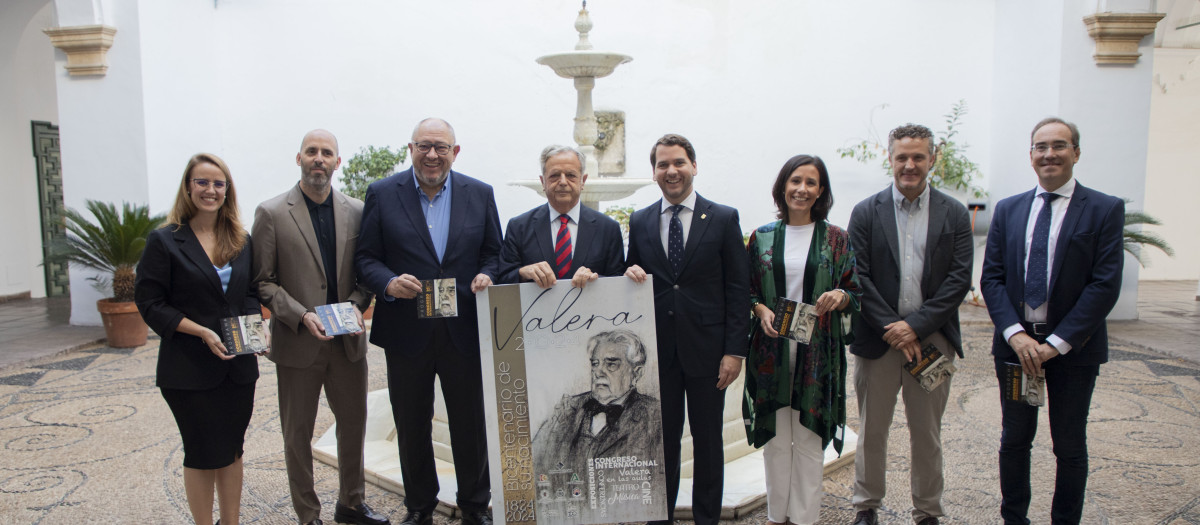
(562, 247)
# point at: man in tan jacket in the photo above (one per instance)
(304, 243)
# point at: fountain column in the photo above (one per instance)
(585, 124)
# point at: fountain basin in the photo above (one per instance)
(596, 189)
(575, 64)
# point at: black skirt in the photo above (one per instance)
(212, 422)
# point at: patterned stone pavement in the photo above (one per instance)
(87, 438)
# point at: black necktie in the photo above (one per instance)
(1036, 273)
(611, 412)
(675, 240)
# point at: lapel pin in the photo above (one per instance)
(703, 216)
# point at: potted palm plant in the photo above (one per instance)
(113, 245)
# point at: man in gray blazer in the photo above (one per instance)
(304, 242)
(914, 252)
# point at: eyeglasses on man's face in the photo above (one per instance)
(440, 148)
(216, 184)
(1057, 147)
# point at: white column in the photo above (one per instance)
(102, 128)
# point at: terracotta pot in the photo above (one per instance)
(123, 325)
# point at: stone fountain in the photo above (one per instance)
(584, 65)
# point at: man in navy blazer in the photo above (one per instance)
(1051, 275)
(693, 247)
(579, 243)
(405, 238)
(913, 252)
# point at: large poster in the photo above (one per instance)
(572, 402)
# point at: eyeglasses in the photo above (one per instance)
(216, 184)
(441, 149)
(1058, 147)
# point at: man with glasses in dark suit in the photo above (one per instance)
(1051, 275)
(405, 239)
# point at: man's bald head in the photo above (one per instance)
(324, 134)
(434, 123)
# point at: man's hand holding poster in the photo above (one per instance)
(572, 401)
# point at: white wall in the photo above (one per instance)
(180, 76)
(1172, 172)
(750, 83)
(27, 94)
(103, 131)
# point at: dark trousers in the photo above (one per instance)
(1069, 392)
(410, 388)
(705, 405)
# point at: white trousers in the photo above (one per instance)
(795, 467)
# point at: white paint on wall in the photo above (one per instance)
(750, 83)
(1172, 173)
(103, 132)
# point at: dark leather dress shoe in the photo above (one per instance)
(866, 517)
(360, 514)
(417, 517)
(928, 521)
(478, 517)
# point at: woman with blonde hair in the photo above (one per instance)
(194, 272)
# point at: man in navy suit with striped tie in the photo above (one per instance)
(563, 239)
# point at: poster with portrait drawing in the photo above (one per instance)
(572, 402)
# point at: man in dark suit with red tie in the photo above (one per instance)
(563, 239)
(1051, 275)
(405, 239)
(693, 247)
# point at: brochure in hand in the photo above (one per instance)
(931, 368)
(338, 318)
(437, 299)
(1019, 386)
(794, 320)
(244, 335)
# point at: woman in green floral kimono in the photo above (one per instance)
(795, 399)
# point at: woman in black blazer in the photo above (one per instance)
(194, 272)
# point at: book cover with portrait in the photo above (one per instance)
(438, 298)
(244, 335)
(338, 318)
